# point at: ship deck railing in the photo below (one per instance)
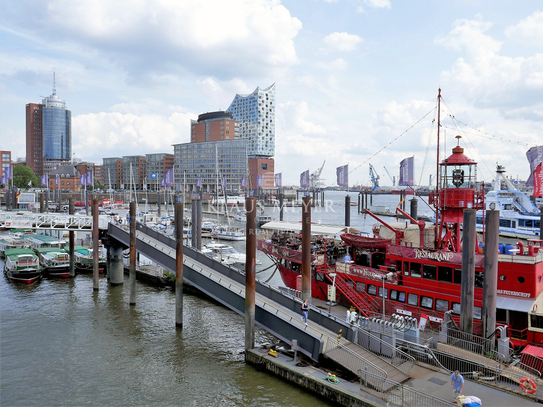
(395, 393)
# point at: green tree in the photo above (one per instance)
(22, 175)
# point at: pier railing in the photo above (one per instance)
(352, 361)
(396, 393)
(379, 347)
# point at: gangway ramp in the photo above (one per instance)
(277, 313)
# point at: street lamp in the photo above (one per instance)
(332, 292)
(385, 277)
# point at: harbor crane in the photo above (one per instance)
(315, 180)
(374, 178)
(393, 179)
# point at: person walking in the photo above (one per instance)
(305, 311)
(457, 384)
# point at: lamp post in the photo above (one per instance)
(332, 292)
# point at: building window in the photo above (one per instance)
(264, 166)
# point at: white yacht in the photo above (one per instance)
(519, 217)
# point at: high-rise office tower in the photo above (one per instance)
(48, 134)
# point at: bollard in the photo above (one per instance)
(339, 336)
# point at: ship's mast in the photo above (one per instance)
(438, 126)
(437, 238)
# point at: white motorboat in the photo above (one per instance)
(226, 254)
(228, 233)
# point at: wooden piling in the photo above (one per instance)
(95, 271)
(179, 264)
(72, 240)
(306, 248)
(347, 210)
(132, 267)
(468, 271)
(490, 282)
(250, 273)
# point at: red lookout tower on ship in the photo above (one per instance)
(456, 191)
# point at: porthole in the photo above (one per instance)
(521, 280)
(502, 277)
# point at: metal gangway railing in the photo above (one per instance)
(350, 359)
(397, 394)
(497, 375)
(379, 347)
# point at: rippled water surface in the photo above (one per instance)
(61, 344)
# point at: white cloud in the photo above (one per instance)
(378, 3)
(342, 41)
(166, 35)
(127, 133)
(487, 77)
(530, 28)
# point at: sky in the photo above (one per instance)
(356, 80)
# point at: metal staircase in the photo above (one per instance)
(361, 301)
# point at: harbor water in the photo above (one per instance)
(63, 344)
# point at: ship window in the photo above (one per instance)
(456, 308)
(296, 268)
(477, 312)
(415, 269)
(413, 299)
(405, 268)
(445, 274)
(457, 276)
(521, 280)
(537, 224)
(401, 296)
(394, 295)
(381, 292)
(319, 277)
(427, 302)
(442, 305)
(429, 271)
(505, 223)
(528, 223)
(479, 279)
(372, 289)
(399, 265)
(350, 283)
(360, 287)
(536, 321)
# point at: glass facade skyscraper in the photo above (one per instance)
(256, 116)
(57, 129)
(48, 135)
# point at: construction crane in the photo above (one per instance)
(315, 180)
(393, 179)
(374, 178)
